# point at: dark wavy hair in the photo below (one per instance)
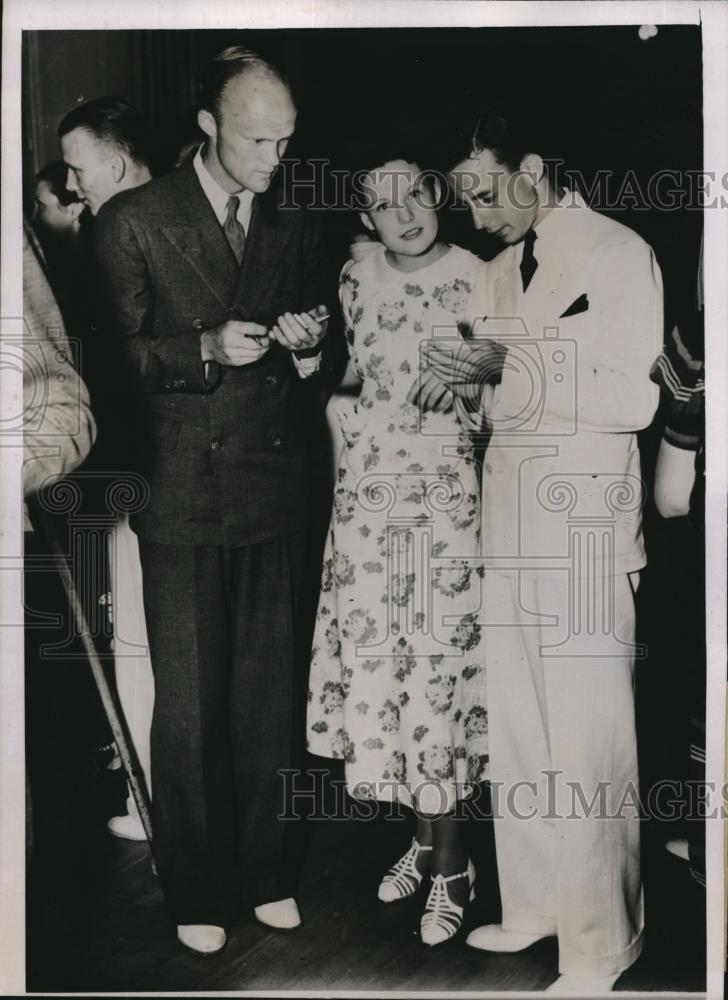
(510, 133)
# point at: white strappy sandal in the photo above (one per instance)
(442, 918)
(403, 879)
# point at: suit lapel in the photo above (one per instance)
(199, 239)
(265, 243)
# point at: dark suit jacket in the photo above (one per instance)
(227, 458)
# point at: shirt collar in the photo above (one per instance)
(546, 226)
(551, 225)
(218, 197)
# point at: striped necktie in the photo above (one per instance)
(233, 229)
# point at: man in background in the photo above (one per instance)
(106, 146)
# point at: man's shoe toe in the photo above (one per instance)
(205, 939)
(283, 914)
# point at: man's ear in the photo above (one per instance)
(368, 224)
(118, 167)
(533, 167)
(207, 123)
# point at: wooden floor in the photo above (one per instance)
(97, 923)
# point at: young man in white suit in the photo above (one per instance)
(567, 321)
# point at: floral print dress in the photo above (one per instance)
(397, 685)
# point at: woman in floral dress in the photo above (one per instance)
(397, 684)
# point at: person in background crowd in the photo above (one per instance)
(212, 296)
(58, 425)
(56, 210)
(680, 493)
(58, 432)
(106, 150)
(560, 697)
(58, 221)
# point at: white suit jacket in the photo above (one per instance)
(562, 469)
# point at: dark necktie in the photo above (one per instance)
(528, 263)
(234, 232)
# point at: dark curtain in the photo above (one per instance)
(164, 81)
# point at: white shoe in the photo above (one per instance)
(585, 986)
(492, 937)
(442, 918)
(403, 878)
(128, 827)
(283, 914)
(205, 939)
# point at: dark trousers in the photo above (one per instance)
(229, 697)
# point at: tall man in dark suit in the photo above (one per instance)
(207, 281)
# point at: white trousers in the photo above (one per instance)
(564, 767)
(134, 678)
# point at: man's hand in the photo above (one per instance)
(300, 331)
(235, 343)
(466, 368)
(428, 392)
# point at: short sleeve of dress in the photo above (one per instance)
(348, 293)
